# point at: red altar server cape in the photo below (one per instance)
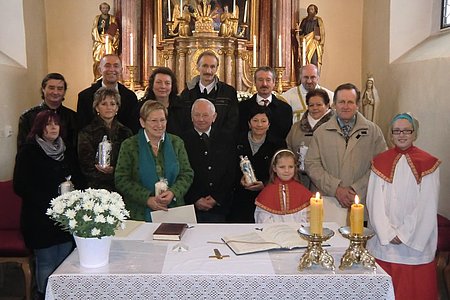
(271, 197)
(420, 162)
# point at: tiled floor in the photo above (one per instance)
(11, 282)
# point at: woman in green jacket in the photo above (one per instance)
(149, 157)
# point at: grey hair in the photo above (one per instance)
(210, 104)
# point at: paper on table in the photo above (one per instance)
(180, 214)
(130, 226)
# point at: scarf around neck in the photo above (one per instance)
(147, 165)
(54, 150)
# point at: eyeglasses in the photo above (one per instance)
(405, 131)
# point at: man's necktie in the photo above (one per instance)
(346, 131)
(265, 101)
(205, 92)
(205, 139)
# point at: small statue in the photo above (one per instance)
(247, 170)
(105, 37)
(185, 22)
(226, 23)
(370, 101)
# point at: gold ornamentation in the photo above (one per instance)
(315, 254)
(356, 253)
(204, 17)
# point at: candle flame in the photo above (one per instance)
(317, 195)
(356, 199)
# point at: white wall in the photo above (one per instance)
(417, 81)
(19, 85)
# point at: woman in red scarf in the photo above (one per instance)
(402, 200)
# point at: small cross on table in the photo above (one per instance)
(218, 255)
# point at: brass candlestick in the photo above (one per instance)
(132, 70)
(244, 27)
(356, 253)
(315, 254)
(252, 71)
(279, 71)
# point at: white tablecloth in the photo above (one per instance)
(141, 268)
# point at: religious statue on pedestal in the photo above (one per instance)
(226, 26)
(311, 37)
(105, 36)
(370, 101)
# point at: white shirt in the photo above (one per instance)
(260, 100)
(405, 209)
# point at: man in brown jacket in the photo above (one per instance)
(339, 156)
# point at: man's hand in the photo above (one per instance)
(345, 196)
(255, 186)
(205, 203)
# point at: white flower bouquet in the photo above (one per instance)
(89, 213)
(242, 96)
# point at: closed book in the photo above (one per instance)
(170, 231)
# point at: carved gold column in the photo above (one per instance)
(181, 68)
(228, 69)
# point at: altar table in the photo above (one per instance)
(141, 268)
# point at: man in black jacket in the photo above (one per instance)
(211, 156)
(281, 112)
(111, 69)
(208, 86)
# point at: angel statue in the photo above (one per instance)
(370, 101)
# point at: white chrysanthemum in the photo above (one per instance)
(95, 231)
(100, 219)
(110, 220)
(70, 213)
(87, 218)
(73, 224)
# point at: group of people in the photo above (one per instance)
(306, 140)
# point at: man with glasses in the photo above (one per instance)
(296, 96)
(340, 153)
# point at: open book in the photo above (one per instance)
(279, 236)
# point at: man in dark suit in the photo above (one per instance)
(210, 155)
(111, 69)
(207, 85)
(281, 112)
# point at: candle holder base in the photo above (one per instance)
(243, 28)
(279, 71)
(252, 71)
(132, 70)
(356, 252)
(315, 254)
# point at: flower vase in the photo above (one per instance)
(93, 252)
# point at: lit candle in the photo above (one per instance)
(280, 63)
(168, 11)
(131, 50)
(316, 214)
(107, 44)
(357, 217)
(303, 52)
(254, 51)
(154, 50)
(245, 12)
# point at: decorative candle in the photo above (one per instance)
(357, 217)
(234, 8)
(245, 11)
(280, 63)
(254, 51)
(154, 50)
(181, 6)
(168, 11)
(303, 52)
(131, 50)
(316, 214)
(107, 47)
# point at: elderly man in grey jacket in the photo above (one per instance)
(339, 156)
